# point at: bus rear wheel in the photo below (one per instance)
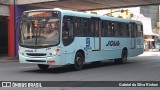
(78, 62)
(43, 67)
(123, 58)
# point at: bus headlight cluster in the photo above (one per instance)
(20, 52)
(55, 52)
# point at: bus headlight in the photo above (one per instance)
(55, 52)
(20, 52)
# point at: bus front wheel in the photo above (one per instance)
(43, 67)
(78, 62)
(123, 58)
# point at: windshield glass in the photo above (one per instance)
(40, 29)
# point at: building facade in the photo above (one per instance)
(7, 30)
(152, 40)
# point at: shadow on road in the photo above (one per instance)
(109, 63)
(65, 69)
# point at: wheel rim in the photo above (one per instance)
(79, 62)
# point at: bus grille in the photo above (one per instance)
(36, 54)
(35, 61)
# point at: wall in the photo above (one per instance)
(151, 11)
(4, 10)
(7, 9)
(21, 2)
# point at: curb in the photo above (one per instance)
(8, 59)
(150, 54)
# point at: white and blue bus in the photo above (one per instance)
(65, 37)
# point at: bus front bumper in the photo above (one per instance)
(54, 60)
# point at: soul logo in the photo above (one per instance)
(29, 51)
(113, 43)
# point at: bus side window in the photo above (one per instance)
(117, 28)
(85, 26)
(125, 31)
(130, 29)
(103, 29)
(113, 29)
(139, 30)
(70, 28)
(97, 28)
(67, 27)
(92, 28)
(109, 31)
(67, 30)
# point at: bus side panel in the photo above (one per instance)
(135, 52)
(113, 46)
(69, 58)
(87, 45)
(110, 51)
(138, 49)
(69, 53)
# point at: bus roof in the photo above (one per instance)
(87, 15)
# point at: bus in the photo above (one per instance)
(65, 37)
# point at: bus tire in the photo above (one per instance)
(123, 58)
(78, 62)
(43, 67)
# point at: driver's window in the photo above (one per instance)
(67, 26)
(67, 29)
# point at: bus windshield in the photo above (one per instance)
(40, 29)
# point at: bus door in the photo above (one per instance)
(133, 35)
(95, 29)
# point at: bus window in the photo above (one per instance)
(113, 29)
(92, 28)
(67, 30)
(70, 28)
(109, 27)
(130, 29)
(96, 28)
(133, 30)
(85, 26)
(103, 28)
(139, 31)
(118, 29)
(78, 26)
(125, 31)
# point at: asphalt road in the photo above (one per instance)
(141, 68)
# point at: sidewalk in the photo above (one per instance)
(150, 53)
(8, 59)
